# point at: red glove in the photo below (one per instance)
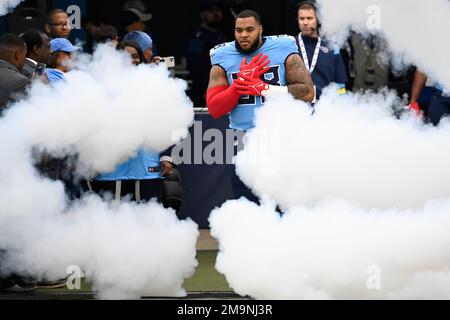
(222, 99)
(253, 86)
(257, 66)
(414, 107)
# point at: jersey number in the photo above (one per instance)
(272, 77)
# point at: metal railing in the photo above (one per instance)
(202, 110)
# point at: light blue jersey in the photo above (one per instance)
(145, 166)
(226, 55)
(55, 75)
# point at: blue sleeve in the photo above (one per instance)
(218, 56)
(290, 46)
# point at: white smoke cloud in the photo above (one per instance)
(7, 5)
(334, 250)
(359, 188)
(365, 195)
(415, 30)
(352, 148)
(104, 112)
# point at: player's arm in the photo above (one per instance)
(420, 79)
(221, 97)
(217, 77)
(419, 82)
(299, 80)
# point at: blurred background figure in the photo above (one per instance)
(323, 61)
(231, 9)
(144, 41)
(98, 32)
(105, 34)
(134, 17)
(374, 68)
(138, 8)
(130, 22)
(58, 24)
(13, 51)
(141, 177)
(206, 37)
(38, 53)
(133, 49)
(371, 62)
(429, 98)
(60, 61)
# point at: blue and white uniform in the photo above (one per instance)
(229, 58)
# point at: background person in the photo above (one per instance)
(206, 37)
(323, 62)
(142, 177)
(58, 24)
(133, 49)
(60, 61)
(13, 51)
(144, 41)
(38, 53)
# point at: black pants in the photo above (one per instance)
(439, 108)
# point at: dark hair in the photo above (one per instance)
(309, 5)
(33, 38)
(249, 14)
(90, 18)
(10, 41)
(128, 18)
(105, 33)
(132, 44)
(51, 13)
(206, 5)
(306, 6)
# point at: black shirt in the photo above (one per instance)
(199, 63)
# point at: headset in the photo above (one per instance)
(313, 4)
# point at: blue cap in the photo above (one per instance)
(141, 38)
(61, 44)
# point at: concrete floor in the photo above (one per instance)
(206, 284)
(206, 242)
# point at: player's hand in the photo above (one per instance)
(241, 88)
(415, 108)
(256, 67)
(166, 167)
(252, 86)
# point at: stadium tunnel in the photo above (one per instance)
(172, 24)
